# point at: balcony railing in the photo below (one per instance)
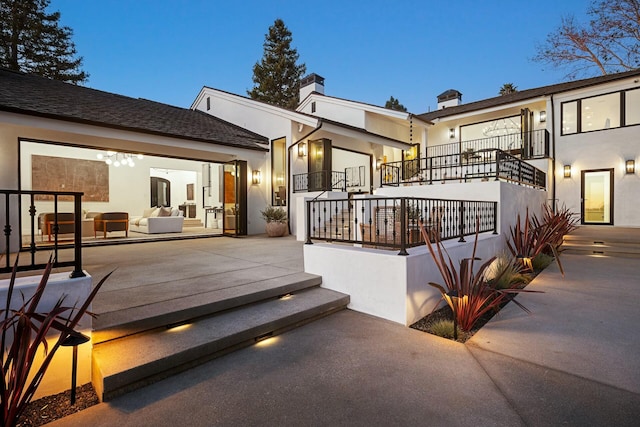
(526, 145)
(56, 223)
(319, 181)
(394, 223)
(481, 164)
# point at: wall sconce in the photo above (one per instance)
(452, 133)
(543, 116)
(567, 171)
(630, 166)
(302, 149)
(256, 177)
(378, 164)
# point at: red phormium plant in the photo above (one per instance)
(24, 330)
(465, 290)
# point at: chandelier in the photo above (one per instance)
(500, 127)
(119, 159)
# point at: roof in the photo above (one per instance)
(526, 94)
(41, 97)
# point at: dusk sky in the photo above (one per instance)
(166, 50)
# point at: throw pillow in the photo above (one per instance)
(164, 212)
(148, 212)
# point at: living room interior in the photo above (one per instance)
(123, 194)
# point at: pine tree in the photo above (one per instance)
(394, 104)
(32, 41)
(277, 77)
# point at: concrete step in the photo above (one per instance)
(120, 323)
(600, 248)
(603, 240)
(125, 364)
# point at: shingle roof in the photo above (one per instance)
(525, 94)
(42, 97)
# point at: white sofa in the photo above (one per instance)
(158, 220)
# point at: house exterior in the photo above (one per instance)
(584, 134)
(328, 147)
(46, 119)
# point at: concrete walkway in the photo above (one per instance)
(574, 361)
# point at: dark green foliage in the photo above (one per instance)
(274, 214)
(442, 328)
(24, 332)
(508, 88)
(394, 104)
(277, 77)
(32, 41)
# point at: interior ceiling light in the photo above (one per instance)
(119, 159)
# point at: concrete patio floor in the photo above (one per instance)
(573, 361)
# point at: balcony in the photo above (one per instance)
(329, 180)
(483, 164)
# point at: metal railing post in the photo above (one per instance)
(308, 226)
(77, 237)
(498, 165)
(461, 222)
(403, 227)
(495, 217)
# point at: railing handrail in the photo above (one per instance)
(16, 212)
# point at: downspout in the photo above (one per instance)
(553, 156)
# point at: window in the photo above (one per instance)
(600, 112)
(569, 118)
(313, 107)
(632, 107)
(278, 172)
(208, 103)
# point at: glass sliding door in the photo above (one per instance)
(597, 197)
(319, 165)
(234, 188)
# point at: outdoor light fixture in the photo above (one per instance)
(302, 149)
(543, 116)
(378, 164)
(256, 177)
(452, 133)
(567, 171)
(74, 340)
(630, 166)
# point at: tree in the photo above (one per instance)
(508, 88)
(277, 76)
(394, 104)
(609, 43)
(32, 41)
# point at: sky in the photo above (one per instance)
(167, 50)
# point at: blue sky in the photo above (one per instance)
(166, 50)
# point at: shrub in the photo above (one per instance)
(465, 290)
(23, 331)
(442, 328)
(541, 262)
(274, 214)
(504, 273)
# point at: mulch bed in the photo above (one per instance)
(51, 408)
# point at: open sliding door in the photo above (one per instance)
(234, 188)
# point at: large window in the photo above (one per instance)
(632, 107)
(279, 172)
(608, 111)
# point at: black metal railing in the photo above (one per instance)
(394, 223)
(319, 181)
(480, 164)
(51, 223)
(526, 145)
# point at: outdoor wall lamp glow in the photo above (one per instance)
(452, 133)
(630, 166)
(378, 164)
(302, 149)
(543, 116)
(256, 177)
(567, 171)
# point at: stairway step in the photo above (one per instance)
(620, 250)
(120, 323)
(123, 365)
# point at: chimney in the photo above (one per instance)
(310, 84)
(449, 98)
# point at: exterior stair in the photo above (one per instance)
(141, 345)
(603, 241)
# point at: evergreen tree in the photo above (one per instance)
(394, 104)
(32, 41)
(508, 88)
(277, 77)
